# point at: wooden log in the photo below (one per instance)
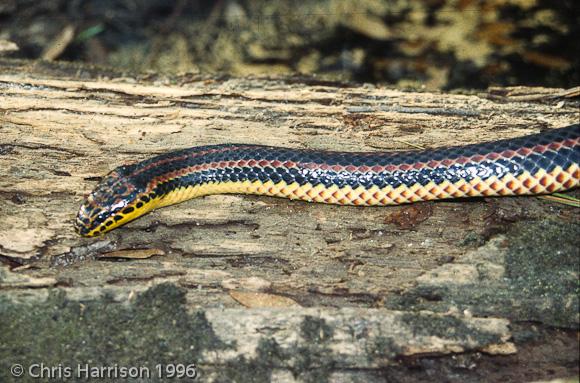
(62, 129)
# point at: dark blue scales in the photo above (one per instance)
(564, 157)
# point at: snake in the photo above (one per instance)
(540, 163)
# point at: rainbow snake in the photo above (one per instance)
(542, 163)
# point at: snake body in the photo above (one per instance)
(542, 163)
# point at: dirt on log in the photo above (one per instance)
(265, 288)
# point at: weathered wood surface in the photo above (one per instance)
(58, 135)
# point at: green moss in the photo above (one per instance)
(315, 330)
(543, 257)
(155, 329)
(310, 362)
(541, 264)
(255, 370)
(447, 327)
(382, 348)
(472, 238)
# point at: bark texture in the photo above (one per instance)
(326, 289)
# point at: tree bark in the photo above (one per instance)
(344, 268)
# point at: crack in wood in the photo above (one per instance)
(146, 278)
(246, 224)
(46, 147)
(76, 112)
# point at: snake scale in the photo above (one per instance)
(542, 163)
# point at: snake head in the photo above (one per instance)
(115, 201)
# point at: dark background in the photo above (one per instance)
(437, 44)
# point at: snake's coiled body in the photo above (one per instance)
(537, 164)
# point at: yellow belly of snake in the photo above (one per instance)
(538, 164)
